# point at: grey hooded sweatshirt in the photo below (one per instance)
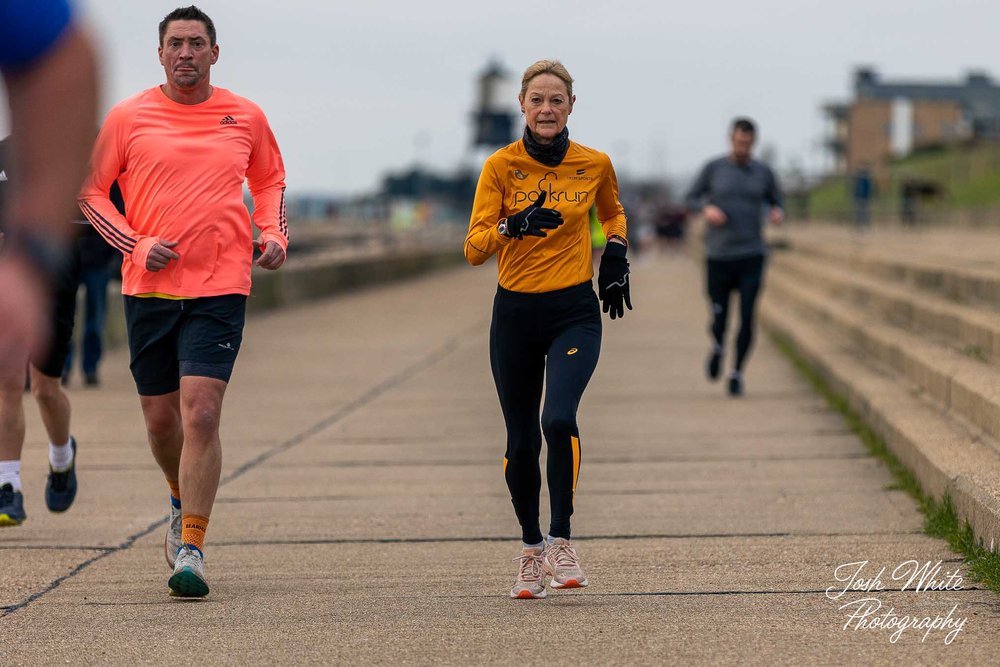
(743, 192)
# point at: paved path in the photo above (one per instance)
(363, 516)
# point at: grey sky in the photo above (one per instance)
(352, 88)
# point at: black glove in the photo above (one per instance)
(612, 280)
(534, 220)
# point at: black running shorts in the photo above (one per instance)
(169, 338)
(65, 282)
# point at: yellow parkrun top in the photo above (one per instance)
(511, 180)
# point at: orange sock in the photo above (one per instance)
(175, 489)
(193, 530)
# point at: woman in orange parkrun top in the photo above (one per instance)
(532, 210)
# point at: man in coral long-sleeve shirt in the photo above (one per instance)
(181, 152)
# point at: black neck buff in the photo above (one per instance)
(550, 154)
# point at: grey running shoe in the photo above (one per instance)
(188, 580)
(530, 576)
(560, 561)
(172, 542)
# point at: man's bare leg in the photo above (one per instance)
(201, 459)
(165, 431)
(53, 405)
(166, 440)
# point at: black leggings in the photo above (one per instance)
(746, 276)
(551, 339)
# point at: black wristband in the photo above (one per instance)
(40, 252)
(612, 249)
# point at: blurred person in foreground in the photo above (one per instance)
(50, 73)
(181, 152)
(532, 210)
(734, 192)
(45, 369)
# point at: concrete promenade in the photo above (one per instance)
(363, 516)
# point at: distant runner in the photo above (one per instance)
(736, 191)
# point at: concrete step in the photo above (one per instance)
(972, 331)
(943, 453)
(966, 388)
(959, 276)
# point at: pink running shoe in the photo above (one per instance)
(560, 561)
(530, 576)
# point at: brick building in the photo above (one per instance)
(893, 118)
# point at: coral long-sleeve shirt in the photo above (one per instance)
(510, 181)
(181, 170)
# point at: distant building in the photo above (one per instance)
(421, 195)
(493, 117)
(893, 118)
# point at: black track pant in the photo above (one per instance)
(745, 275)
(553, 340)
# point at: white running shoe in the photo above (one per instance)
(188, 580)
(530, 576)
(172, 542)
(560, 561)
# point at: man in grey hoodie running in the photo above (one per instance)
(733, 193)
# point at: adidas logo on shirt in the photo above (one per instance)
(228, 120)
(3, 176)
